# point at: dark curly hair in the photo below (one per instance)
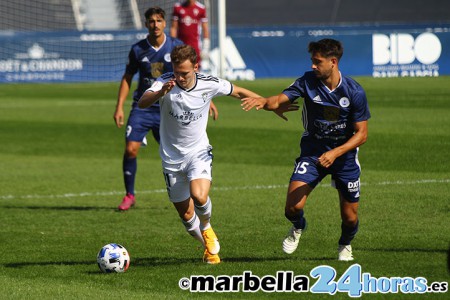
(327, 48)
(155, 11)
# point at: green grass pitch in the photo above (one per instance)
(61, 181)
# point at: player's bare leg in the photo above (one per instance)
(203, 207)
(297, 194)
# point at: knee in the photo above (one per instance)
(186, 216)
(350, 220)
(289, 211)
(199, 197)
(349, 213)
(131, 151)
(186, 212)
(292, 211)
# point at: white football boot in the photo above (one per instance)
(345, 253)
(291, 240)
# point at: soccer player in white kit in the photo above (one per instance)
(184, 96)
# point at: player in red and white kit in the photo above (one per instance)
(188, 20)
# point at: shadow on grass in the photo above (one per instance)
(173, 261)
(403, 250)
(75, 208)
(164, 261)
(158, 261)
(282, 257)
(47, 263)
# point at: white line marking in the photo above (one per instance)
(236, 188)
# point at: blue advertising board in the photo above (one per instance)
(67, 56)
(250, 52)
(379, 51)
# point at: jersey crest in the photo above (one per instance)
(157, 69)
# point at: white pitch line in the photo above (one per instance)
(236, 188)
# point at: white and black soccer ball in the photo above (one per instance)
(113, 258)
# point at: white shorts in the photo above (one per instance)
(198, 165)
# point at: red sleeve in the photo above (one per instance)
(176, 12)
(202, 16)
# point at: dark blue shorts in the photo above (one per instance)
(345, 173)
(140, 122)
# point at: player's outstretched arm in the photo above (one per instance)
(241, 93)
(279, 104)
(269, 103)
(284, 108)
(253, 102)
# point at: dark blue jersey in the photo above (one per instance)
(327, 115)
(150, 63)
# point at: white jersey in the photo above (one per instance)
(184, 116)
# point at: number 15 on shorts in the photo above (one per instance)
(301, 167)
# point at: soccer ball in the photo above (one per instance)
(113, 258)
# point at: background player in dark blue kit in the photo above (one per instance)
(335, 114)
(151, 58)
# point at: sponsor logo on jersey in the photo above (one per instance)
(188, 21)
(186, 117)
(157, 69)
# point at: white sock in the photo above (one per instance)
(193, 228)
(204, 214)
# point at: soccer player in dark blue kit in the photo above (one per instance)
(335, 115)
(151, 58)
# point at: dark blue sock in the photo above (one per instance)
(348, 233)
(298, 220)
(129, 167)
